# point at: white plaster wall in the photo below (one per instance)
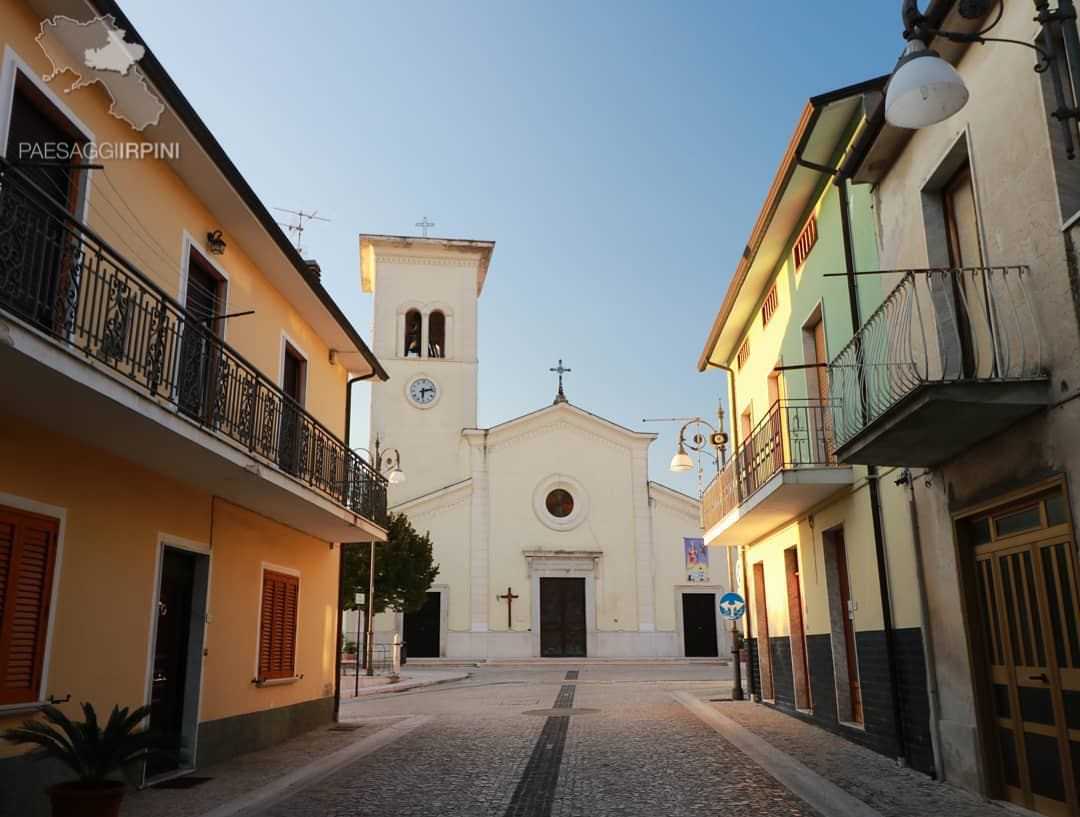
(562, 444)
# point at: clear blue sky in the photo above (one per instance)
(617, 152)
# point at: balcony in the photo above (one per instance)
(949, 359)
(785, 467)
(90, 347)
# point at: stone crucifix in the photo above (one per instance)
(510, 596)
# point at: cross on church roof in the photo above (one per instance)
(423, 224)
(560, 370)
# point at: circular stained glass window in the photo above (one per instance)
(560, 503)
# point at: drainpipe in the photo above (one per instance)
(927, 638)
(872, 486)
(341, 557)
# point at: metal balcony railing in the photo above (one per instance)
(60, 277)
(972, 324)
(794, 434)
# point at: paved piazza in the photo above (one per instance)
(530, 741)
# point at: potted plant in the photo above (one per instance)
(94, 754)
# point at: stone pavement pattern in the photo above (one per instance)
(640, 753)
(867, 775)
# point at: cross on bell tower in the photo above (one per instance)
(560, 370)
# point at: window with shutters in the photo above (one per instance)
(277, 625)
(27, 559)
(805, 243)
(768, 309)
(743, 354)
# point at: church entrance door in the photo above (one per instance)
(422, 629)
(562, 618)
(699, 625)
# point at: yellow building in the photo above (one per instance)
(833, 624)
(173, 480)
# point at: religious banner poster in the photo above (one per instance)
(697, 560)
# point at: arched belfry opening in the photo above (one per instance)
(437, 334)
(413, 333)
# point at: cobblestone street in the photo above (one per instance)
(615, 740)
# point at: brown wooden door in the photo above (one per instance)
(965, 251)
(822, 375)
(761, 614)
(168, 684)
(799, 667)
(1025, 577)
(849, 628)
(562, 618)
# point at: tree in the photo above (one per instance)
(404, 568)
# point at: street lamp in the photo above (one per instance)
(925, 89)
(704, 437)
(388, 462)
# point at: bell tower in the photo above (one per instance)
(424, 332)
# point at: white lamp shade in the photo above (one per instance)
(924, 90)
(397, 476)
(682, 462)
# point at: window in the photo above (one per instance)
(436, 334)
(768, 309)
(560, 503)
(413, 328)
(744, 353)
(27, 559)
(1066, 172)
(807, 240)
(277, 626)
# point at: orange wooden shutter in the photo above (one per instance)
(277, 628)
(27, 560)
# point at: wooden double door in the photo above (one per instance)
(562, 618)
(1025, 591)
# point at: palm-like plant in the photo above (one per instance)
(91, 752)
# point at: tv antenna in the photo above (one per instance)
(302, 220)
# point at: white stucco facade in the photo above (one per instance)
(483, 493)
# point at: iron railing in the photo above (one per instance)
(61, 278)
(973, 324)
(794, 434)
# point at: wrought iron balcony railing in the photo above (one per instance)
(60, 277)
(794, 434)
(936, 326)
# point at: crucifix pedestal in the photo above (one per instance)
(509, 596)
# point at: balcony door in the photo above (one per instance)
(39, 282)
(965, 252)
(820, 420)
(204, 301)
(290, 439)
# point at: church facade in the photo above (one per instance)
(551, 540)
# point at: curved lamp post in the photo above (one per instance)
(925, 89)
(699, 436)
(386, 462)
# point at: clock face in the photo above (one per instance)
(423, 391)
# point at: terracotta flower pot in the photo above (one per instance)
(76, 800)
